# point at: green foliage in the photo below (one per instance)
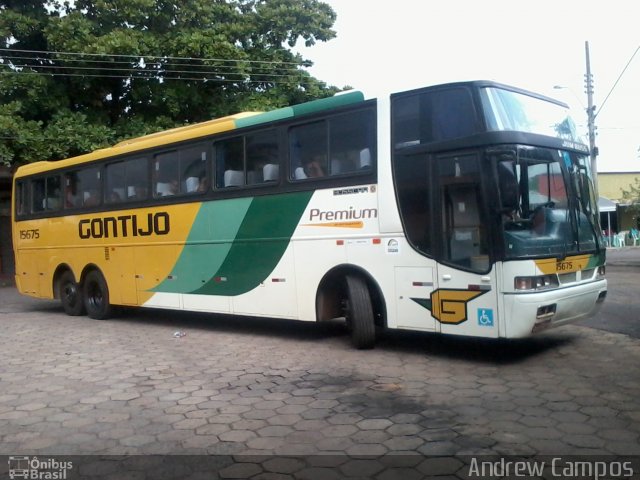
(632, 196)
(146, 65)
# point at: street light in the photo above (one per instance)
(591, 116)
(564, 87)
(575, 95)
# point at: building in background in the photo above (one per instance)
(613, 207)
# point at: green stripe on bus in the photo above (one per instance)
(235, 244)
(261, 242)
(266, 117)
(331, 102)
(301, 109)
(597, 259)
(214, 229)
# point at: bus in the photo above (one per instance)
(465, 208)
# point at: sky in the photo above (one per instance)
(394, 45)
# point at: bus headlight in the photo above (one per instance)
(601, 271)
(539, 282)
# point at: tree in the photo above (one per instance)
(75, 76)
(631, 196)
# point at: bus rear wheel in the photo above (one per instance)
(359, 313)
(70, 294)
(96, 296)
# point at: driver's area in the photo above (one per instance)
(536, 212)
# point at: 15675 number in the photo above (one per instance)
(29, 234)
(564, 266)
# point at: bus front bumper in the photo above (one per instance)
(527, 313)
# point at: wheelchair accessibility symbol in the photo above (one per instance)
(485, 317)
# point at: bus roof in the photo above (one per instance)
(197, 130)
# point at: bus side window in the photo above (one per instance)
(166, 171)
(351, 141)
(193, 170)
(38, 195)
(308, 151)
(89, 186)
(414, 177)
(230, 163)
(22, 197)
(46, 194)
(127, 181)
(432, 116)
(54, 194)
(71, 197)
(137, 179)
(114, 184)
(453, 114)
(262, 158)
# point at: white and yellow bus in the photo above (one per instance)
(464, 208)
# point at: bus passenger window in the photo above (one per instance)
(308, 149)
(46, 194)
(114, 183)
(22, 198)
(38, 194)
(230, 162)
(193, 169)
(453, 114)
(71, 197)
(433, 115)
(262, 158)
(137, 179)
(54, 193)
(166, 175)
(88, 186)
(351, 141)
(414, 180)
(126, 181)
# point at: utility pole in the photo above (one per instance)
(591, 119)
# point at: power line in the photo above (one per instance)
(157, 77)
(159, 57)
(166, 69)
(115, 62)
(616, 82)
(153, 73)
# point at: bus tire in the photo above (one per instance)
(70, 293)
(96, 296)
(360, 316)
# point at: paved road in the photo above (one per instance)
(258, 388)
(621, 311)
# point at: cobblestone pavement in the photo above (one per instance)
(232, 386)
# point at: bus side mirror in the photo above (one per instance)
(508, 186)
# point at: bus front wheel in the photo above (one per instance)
(96, 296)
(70, 294)
(360, 317)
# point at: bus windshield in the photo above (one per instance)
(507, 110)
(549, 206)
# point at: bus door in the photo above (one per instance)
(465, 297)
(415, 276)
